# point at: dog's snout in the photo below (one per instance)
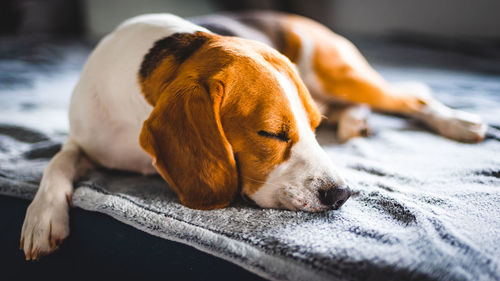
(335, 197)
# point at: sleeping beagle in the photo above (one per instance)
(222, 105)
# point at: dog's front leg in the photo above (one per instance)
(351, 120)
(47, 220)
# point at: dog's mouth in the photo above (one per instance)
(304, 200)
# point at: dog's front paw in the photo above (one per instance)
(352, 123)
(46, 225)
(454, 124)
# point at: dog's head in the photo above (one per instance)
(232, 113)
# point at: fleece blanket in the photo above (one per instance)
(423, 208)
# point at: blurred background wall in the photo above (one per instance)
(469, 18)
(475, 19)
(453, 18)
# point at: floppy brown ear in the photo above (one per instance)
(184, 136)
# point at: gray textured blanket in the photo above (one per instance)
(424, 207)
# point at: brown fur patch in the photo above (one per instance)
(179, 45)
(292, 45)
(277, 28)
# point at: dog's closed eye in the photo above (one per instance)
(282, 136)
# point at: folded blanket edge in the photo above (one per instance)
(236, 252)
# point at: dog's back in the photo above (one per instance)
(107, 102)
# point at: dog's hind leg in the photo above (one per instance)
(334, 70)
(47, 219)
(451, 123)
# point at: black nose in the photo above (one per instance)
(335, 197)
